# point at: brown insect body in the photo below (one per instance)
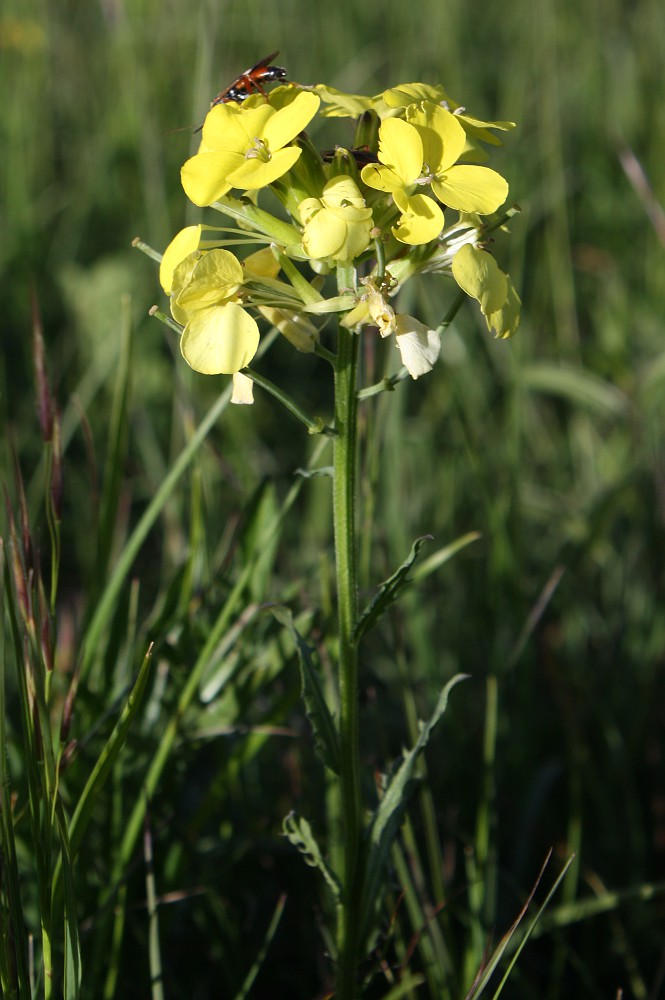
(251, 81)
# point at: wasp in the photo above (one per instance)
(251, 81)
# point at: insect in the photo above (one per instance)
(361, 155)
(251, 81)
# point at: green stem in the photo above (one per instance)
(344, 492)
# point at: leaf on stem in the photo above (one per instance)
(299, 833)
(326, 740)
(387, 816)
(389, 590)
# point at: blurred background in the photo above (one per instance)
(551, 446)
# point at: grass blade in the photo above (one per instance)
(107, 758)
(270, 933)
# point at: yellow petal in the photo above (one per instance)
(217, 276)
(342, 191)
(284, 125)
(261, 264)
(257, 173)
(204, 176)
(470, 188)
(505, 321)
(479, 275)
(421, 220)
(381, 178)
(184, 243)
(308, 207)
(225, 128)
(220, 340)
(442, 135)
(400, 147)
(324, 235)
(358, 315)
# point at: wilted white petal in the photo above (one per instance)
(418, 345)
(243, 389)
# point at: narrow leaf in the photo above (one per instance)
(270, 933)
(406, 985)
(299, 833)
(13, 935)
(442, 556)
(388, 814)
(389, 590)
(326, 740)
(73, 976)
(484, 975)
(578, 386)
(106, 759)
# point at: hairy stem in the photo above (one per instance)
(344, 494)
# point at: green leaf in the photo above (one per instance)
(484, 975)
(389, 590)
(388, 814)
(326, 740)
(577, 386)
(13, 933)
(106, 759)
(442, 556)
(299, 833)
(267, 941)
(73, 976)
(223, 664)
(406, 985)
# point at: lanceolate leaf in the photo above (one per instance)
(389, 590)
(326, 740)
(298, 831)
(388, 814)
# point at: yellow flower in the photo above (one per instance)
(399, 173)
(245, 148)
(478, 274)
(337, 224)
(219, 336)
(466, 187)
(424, 150)
(411, 93)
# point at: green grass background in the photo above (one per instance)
(551, 446)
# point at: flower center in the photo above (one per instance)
(259, 151)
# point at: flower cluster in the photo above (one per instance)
(412, 194)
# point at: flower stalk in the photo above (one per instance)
(344, 499)
(381, 210)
